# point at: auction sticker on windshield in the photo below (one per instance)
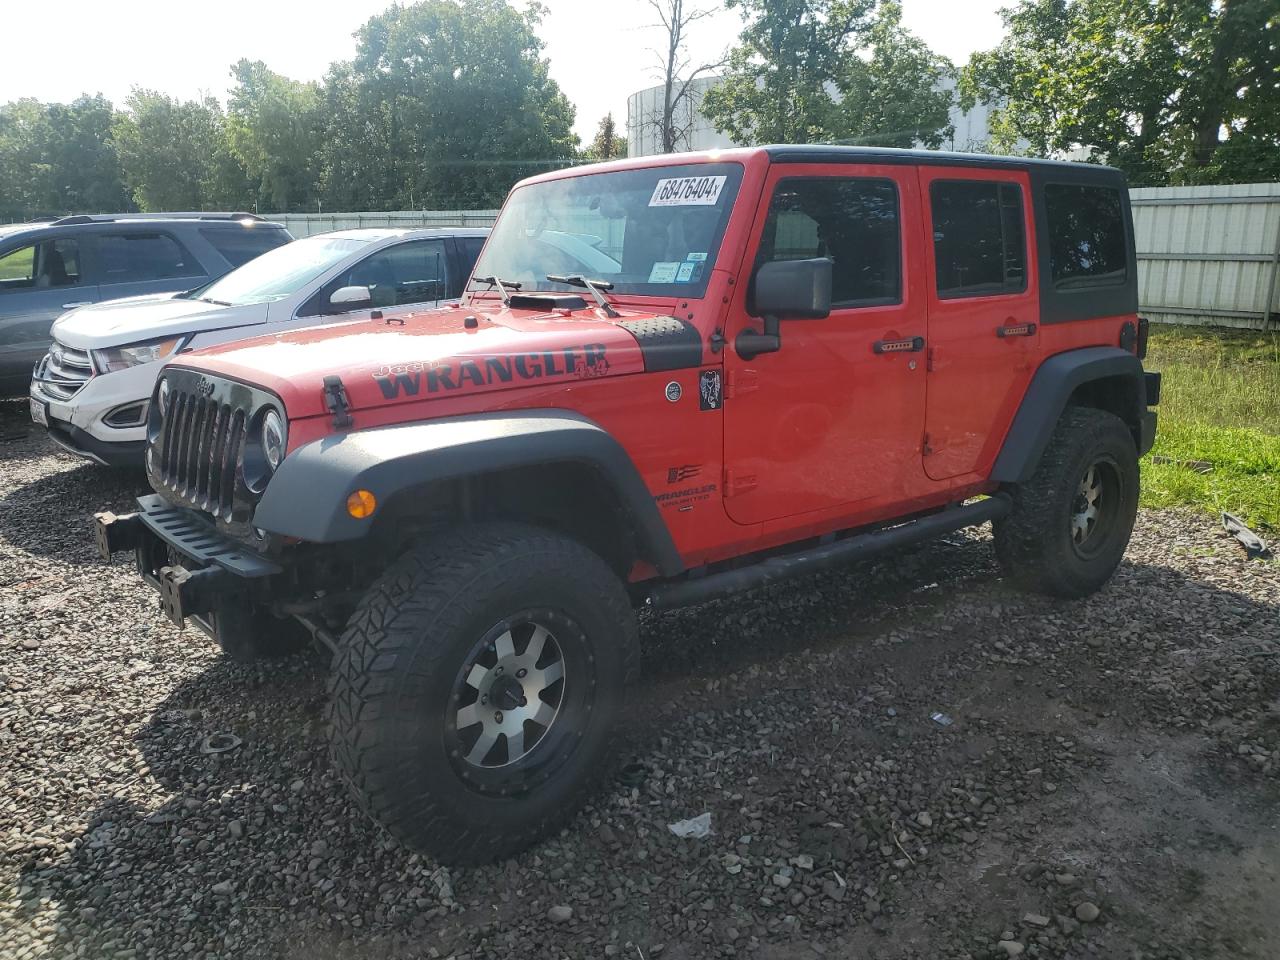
(687, 192)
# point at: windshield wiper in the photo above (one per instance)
(503, 286)
(595, 286)
(216, 303)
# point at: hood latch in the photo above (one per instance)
(336, 401)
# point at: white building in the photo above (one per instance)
(644, 110)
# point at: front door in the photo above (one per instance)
(983, 312)
(836, 415)
(38, 282)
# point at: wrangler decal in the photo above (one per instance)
(685, 496)
(407, 378)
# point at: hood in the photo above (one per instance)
(118, 322)
(432, 354)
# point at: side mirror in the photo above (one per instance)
(785, 290)
(794, 289)
(351, 298)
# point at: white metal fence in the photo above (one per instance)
(1206, 255)
(305, 224)
(1209, 255)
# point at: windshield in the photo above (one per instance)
(654, 232)
(278, 273)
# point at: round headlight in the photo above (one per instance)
(162, 397)
(273, 439)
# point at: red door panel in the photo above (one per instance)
(983, 306)
(827, 420)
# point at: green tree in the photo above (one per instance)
(274, 126)
(607, 145)
(1171, 91)
(58, 158)
(894, 92)
(86, 171)
(174, 154)
(354, 163)
(778, 83)
(455, 101)
(26, 175)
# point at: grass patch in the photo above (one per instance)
(17, 265)
(1220, 405)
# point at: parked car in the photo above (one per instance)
(794, 356)
(91, 391)
(49, 268)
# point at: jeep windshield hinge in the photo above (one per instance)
(336, 401)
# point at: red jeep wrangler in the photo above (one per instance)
(673, 378)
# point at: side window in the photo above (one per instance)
(979, 243)
(53, 263)
(1086, 236)
(853, 221)
(134, 257)
(469, 250)
(18, 269)
(240, 244)
(412, 272)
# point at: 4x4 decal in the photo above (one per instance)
(408, 378)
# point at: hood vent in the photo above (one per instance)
(546, 301)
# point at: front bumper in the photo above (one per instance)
(198, 571)
(124, 455)
(79, 424)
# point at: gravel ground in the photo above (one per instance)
(1108, 785)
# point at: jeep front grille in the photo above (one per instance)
(196, 447)
(64, 371)
(202, 444)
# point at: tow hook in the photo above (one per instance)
(114, 534)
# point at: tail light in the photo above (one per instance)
(1144, 327)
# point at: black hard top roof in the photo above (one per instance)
(829, 153)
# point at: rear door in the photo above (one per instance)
(39, 281)
(835, 416)
(983, 312)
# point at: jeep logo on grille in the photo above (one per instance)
(204, 387)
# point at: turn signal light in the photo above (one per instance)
(361, 504)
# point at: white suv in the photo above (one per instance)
(92, 389)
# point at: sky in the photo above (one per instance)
(600, 51)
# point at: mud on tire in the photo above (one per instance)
(476, 687)
(1071, 523)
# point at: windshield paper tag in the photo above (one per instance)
(664, 272)
(687, 192)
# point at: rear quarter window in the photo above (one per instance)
(1086, 236)
(238, 245)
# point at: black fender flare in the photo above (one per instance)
(1046, 397)
(307, 496)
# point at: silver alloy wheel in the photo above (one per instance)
(1084, 519)
(509, 700)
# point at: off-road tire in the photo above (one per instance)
(395, 680)
(1035, 544)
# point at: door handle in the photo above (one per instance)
(78, 303)
(909, 345)
(1016, 330)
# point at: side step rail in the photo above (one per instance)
(860, 546)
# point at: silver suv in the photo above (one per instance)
(51, 267)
